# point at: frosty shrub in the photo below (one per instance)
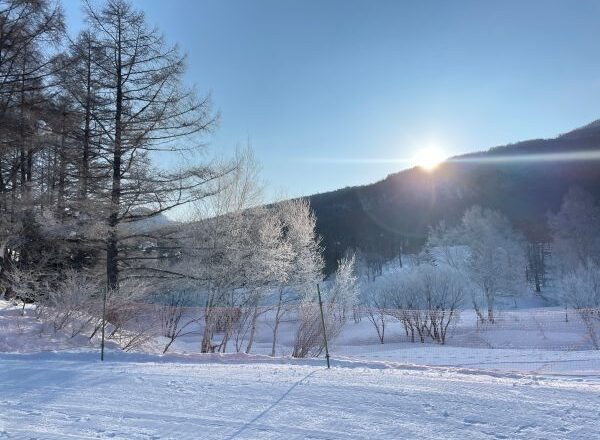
(26, 285)
(341, 297)
(345, 290)
(72, 303)
(309, 340)
(129, 321)
(174, 316)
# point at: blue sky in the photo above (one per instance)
(320, 86)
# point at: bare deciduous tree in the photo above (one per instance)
(145, 108)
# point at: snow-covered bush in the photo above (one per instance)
(309, 334)
(309, 340)
(26, 285)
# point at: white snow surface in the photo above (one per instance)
(73, 395)
(530, 376)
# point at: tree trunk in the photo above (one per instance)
(381, 333)
(206, 346)
(112, 249)
(62, 168)
(276, 326)
(85, 161)
(490, 306)
(490, 313)
(206, 339)
(252, 330)
(538, 287)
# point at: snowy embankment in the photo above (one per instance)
(531, 341)
(60, 395)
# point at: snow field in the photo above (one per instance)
(61, 395)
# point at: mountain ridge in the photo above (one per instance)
(392, 215)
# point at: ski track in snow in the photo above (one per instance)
(62, 396)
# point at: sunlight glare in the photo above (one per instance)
(428, 158)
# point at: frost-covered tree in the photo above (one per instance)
(402, 295)
(487, 251)
(538, 254)
(82, 80)
(30, 36)
(305, 259)
(338, 299)
(444, 291)
(580, 289)
(345, 290)
(576, 256)
(235, 254)
(576, 232)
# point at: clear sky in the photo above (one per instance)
(338, 93)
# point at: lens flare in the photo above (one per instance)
(428, 158)
(565, 156)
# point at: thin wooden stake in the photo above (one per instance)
(103, 324)
(324, 329)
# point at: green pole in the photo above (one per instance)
(103, 324)
(324, 329)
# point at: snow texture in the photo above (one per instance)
(72, 395)
(499, 384)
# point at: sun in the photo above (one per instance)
(428, 158)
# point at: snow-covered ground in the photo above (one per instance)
(59, 396)
(531, 375)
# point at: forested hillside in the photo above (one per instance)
(386, 217)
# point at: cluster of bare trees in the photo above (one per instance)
(476, 262)
(252, 260)
(425, 299)
(483, 260)
(81, 124)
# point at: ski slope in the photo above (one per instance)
(72, 395)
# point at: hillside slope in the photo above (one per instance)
(525, 181)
